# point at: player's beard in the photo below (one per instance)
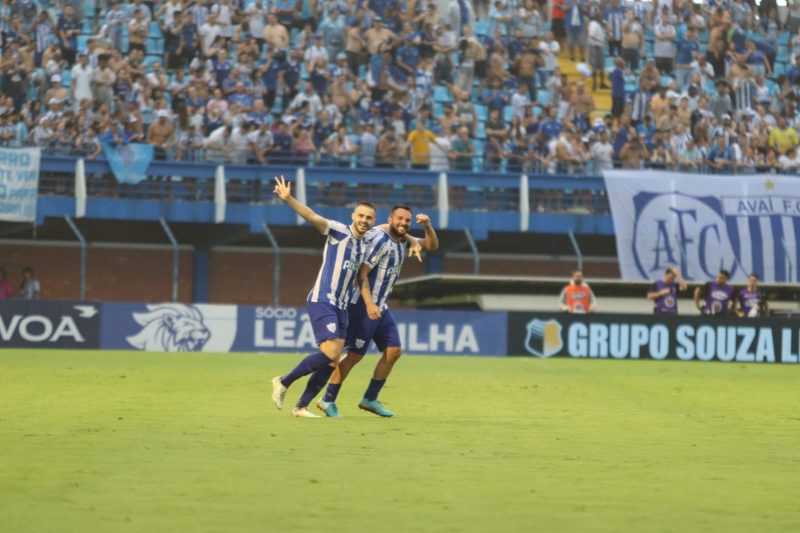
(393, 231)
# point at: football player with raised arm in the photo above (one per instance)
(370, 317)
(344, 252)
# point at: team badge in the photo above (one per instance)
(360, 343)
(331, 327)
(544, 337)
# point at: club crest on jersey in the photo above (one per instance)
(360, 343)
(544, 337)
(331, 327)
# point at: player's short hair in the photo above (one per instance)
(753, 275)
(368, 204)
(401, 206)
(725, 273)
(669, 271)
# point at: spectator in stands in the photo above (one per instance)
(634, 151)
(597, 42)
(463, 150)
(30, 289)
(575, 22)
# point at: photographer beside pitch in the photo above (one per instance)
(665, 292)
(751, 301)
(715, 298)
(370, 317)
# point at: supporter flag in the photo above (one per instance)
(703, 223)
(19, 183)
(129, 162)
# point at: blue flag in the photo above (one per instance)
(129, 162)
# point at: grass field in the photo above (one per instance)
(125, 441)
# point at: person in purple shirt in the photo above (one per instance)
(665, 292)
(717, 296)
(751, 301)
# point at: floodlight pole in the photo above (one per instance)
(476, 256)
(276, 269)
(175, 258)
(81, 240)
(577, 249)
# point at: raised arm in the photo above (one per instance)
(430, 242)
(284, 191)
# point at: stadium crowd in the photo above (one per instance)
(448, 84)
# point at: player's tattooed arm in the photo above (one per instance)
(414, 247)
(373, 311)
(283, 189)
(431, 241)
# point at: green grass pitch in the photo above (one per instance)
(126, 441)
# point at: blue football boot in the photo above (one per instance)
(374, 406)
(329, 408)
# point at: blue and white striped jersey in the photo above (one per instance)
(385, 257)
(341, 258)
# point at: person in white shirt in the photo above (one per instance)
(664, 44)
(440, 151)
(313, 99)
(81, 76)
(314, 52)
(219, 146)
(603, 153)
(789, 161)
(597, 55)
(209, 33)
(519, 100)
(225, 12)
(549, 50)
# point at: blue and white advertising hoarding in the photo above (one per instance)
(223, 328)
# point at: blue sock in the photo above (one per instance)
(332, 392)
(374, 389)
(315, 383)
(308, 365)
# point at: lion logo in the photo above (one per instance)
(170, 328)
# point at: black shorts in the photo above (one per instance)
(617, 107)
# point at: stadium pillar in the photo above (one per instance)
(200, 263)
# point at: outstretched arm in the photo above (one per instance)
(284, 191)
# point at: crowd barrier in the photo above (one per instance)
(230, 328)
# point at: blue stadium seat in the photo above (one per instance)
(442, 94)
(155, 30)
(508, 112)
(480, 131)
(482, 112)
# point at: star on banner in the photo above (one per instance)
(769, 184)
